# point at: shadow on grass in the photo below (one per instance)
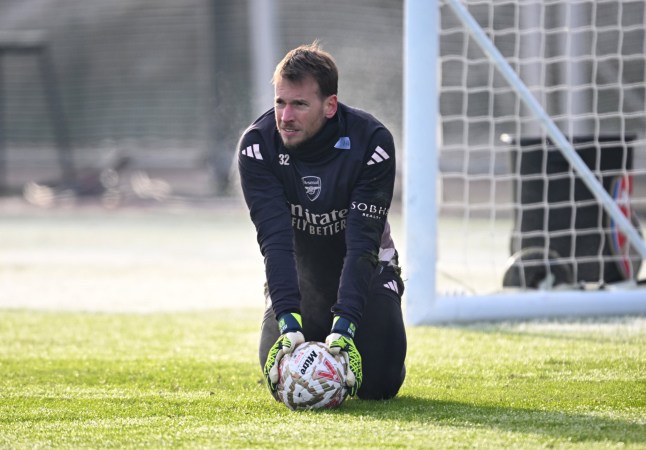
(562, 425)
(418, 413)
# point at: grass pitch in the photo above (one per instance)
(192, 380)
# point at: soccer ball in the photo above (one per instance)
(312, 378)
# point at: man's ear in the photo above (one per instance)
(331, 105)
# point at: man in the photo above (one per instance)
(318, 179)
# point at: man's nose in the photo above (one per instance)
(287, 114)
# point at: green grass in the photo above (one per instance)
(191, 380)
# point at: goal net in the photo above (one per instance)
(540, 185)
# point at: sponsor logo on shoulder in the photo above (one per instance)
(392, 286)
(378, 156)
(343, 143)
(253, 151)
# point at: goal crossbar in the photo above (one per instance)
(534, 305)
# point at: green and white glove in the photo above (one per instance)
(341, 340)
(291, 336)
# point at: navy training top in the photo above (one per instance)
(320, 210)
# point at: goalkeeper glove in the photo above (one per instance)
(291, 336)
(341, 339)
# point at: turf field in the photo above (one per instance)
(191, 380)
(136, 259)
(138, 329)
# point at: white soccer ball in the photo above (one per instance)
(312, 378)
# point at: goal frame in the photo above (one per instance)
(420, 209)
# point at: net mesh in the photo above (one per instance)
(505, 189)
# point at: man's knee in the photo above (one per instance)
(383, 387)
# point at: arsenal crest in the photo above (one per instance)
(312, 187)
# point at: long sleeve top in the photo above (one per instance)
(320, 210)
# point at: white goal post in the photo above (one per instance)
(523, 201)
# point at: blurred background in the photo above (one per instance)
(161, 90)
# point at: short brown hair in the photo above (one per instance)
(309, 60)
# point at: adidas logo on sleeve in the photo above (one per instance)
(253, 151)
(392, 286)
(378, 156)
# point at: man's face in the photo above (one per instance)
(300, 111)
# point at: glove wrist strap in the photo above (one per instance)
(289, 322)
(343, 326)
